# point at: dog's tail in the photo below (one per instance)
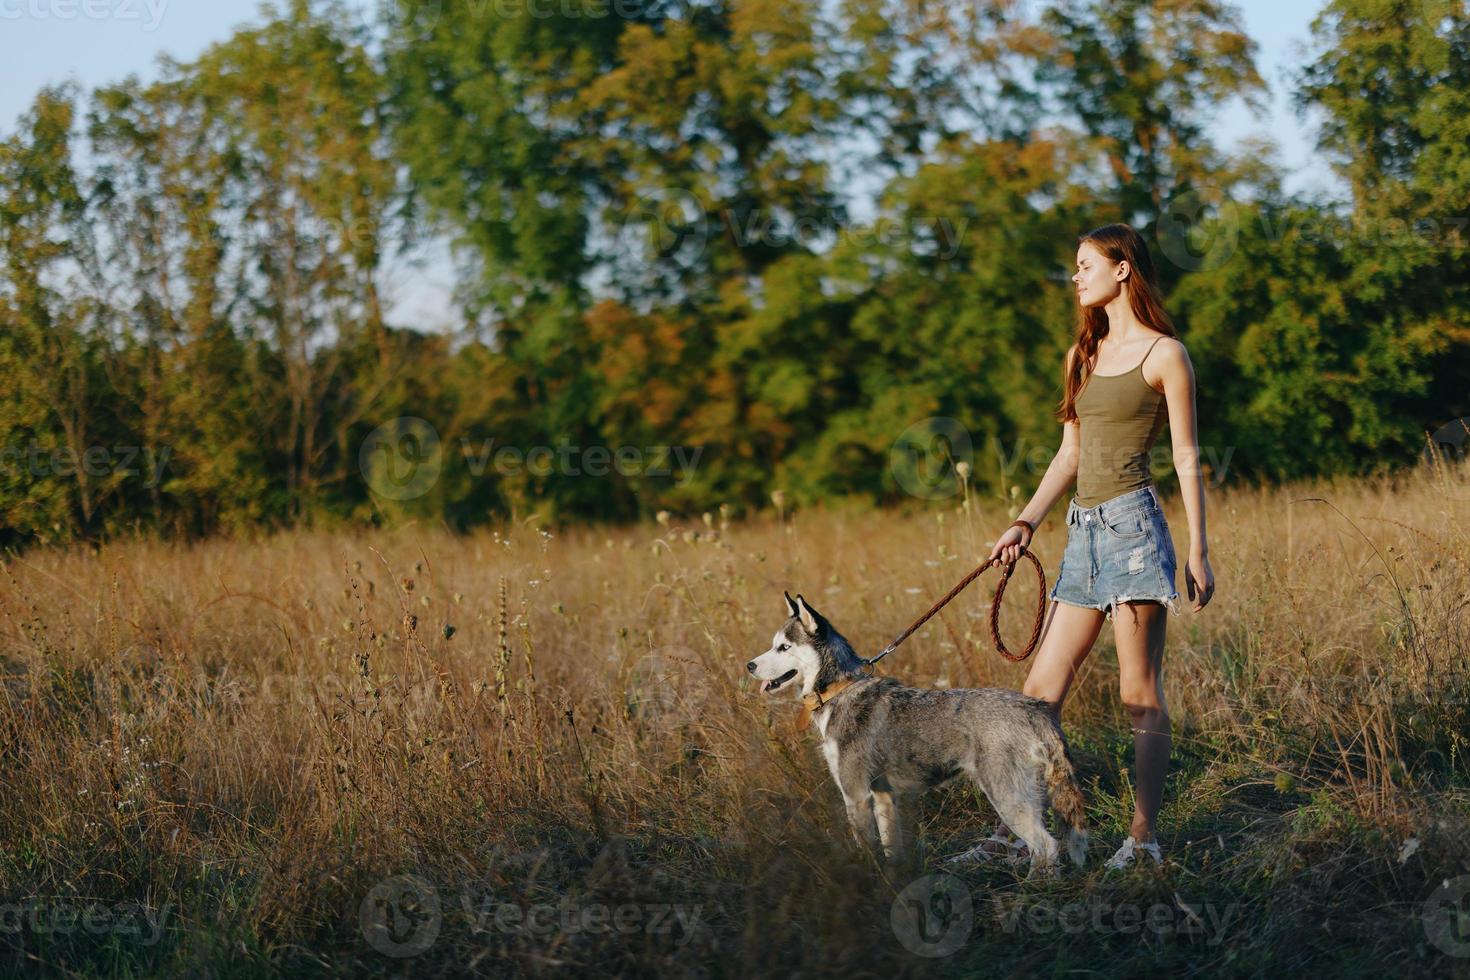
(1066, 795)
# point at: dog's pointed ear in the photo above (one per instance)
(790, 606)
(810, 618)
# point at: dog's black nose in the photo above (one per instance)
(750, 666)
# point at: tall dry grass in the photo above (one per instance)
(251, 735)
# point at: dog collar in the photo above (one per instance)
(811, 702)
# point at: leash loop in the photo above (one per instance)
(1007, 569)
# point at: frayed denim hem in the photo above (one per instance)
(1171, 601)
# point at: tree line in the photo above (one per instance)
(663, 299)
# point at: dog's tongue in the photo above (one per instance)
(765, 686)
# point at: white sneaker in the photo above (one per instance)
(1125, 854)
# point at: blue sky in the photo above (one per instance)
(100, 41)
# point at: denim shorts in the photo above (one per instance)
(1118, 551)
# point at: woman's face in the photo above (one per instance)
(1098, 277)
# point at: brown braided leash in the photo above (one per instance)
(1000, 591)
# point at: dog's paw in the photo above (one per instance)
(990, 850)
(1046, 870)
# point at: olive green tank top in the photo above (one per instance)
(1120, 417)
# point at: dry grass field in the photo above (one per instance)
(525, 753)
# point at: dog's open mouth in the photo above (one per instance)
(768, 686)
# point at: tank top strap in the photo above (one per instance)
(1148, 352)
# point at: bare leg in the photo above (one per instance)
(1066, 639)
(1139, 630)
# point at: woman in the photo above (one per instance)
(1126, 370)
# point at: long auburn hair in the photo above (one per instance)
(1118, 242)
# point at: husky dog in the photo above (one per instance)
(883, 740)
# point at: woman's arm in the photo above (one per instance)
(1059, 475)
(1177, 373)
(1063, 468)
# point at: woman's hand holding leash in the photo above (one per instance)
(1199, 580)
(1016, 538)
(1010, 547)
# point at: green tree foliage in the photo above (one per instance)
(52, 355)
(1141, 77)
(1392, 82)
(248, 196)
(666, 300)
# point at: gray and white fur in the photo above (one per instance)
(884, 741)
